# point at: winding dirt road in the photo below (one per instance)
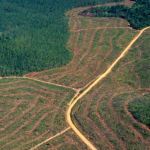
(71, 105)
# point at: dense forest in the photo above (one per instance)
(138, 15)
(34, 34)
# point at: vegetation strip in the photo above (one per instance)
(92, 85)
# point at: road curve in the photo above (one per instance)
(82, 137)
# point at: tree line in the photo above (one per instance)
(138, 15)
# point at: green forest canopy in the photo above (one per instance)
(35, 33)
(138, 15)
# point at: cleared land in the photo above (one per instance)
(93, 84)
(31, 112)
(103, 116)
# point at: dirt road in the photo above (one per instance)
(50, 138)
(83, 138)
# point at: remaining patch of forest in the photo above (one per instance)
(140, 109)
(35, 34)
(138, 15)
